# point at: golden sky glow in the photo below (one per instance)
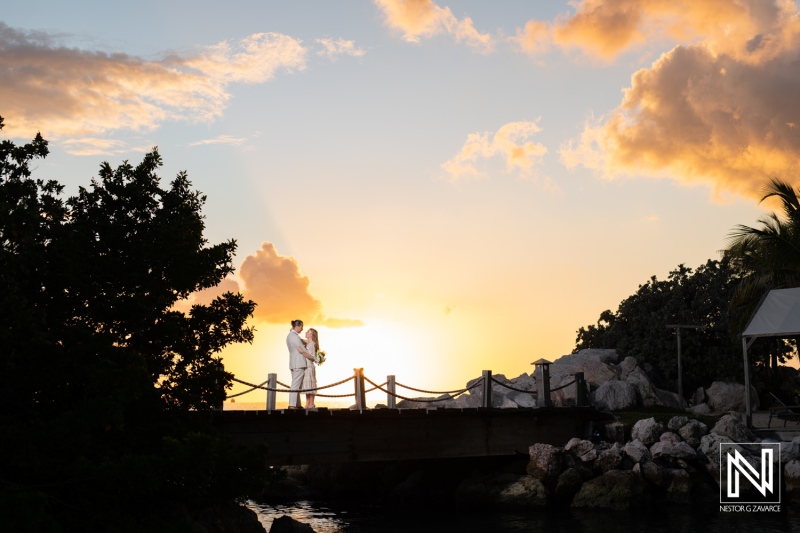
(439, 188)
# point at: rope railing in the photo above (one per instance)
(454, 393)
(288, 387)
(420, 400)
(564, 386)
(513, 388)
(541, 393)
(433, 391)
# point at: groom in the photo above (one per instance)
(297, 362)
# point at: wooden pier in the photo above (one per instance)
(299, 437)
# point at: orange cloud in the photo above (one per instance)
(509, 142)
(67, 92)
(704, 117)
(419, 19)
(275, 283)
(606, 28)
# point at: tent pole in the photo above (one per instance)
(748, 407)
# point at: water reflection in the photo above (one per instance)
(339, 517)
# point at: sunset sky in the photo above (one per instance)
(438, 187)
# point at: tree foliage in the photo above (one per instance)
(767, 257)
(99, 373)
(691, 297)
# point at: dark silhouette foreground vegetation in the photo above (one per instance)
(103, 384)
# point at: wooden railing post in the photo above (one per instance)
(391, 401)
(487, 389)
(272, 383)
(361, 399)
(543, 392)
(580, 386)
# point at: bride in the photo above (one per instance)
(310, 376)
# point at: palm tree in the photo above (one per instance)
(767, 257)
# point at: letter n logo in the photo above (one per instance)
(736, 472)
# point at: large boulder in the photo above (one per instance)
(568, 484)
(545, 462)
(609, 459)
(647, 431)
(670, 399)
(735, 429)
(637, 451)
(672, 450)
(619, 490)
(791, 476)
(613, 395)
(645, 391)
(724, 396)
(598, 366)
(502, 490)
(626, 367)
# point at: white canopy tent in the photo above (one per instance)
(778, 315)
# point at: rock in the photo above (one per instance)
(790, 451)
(626, 367)
(569, 483)
(677, 422)
(699, 396)
(647, 431)
(652, 472)
(502, 490)
(678, 450)
(609, 459)
(734, 428)
(616, 489)
(613, 395)
(791, 476)
(522, 399)
(524, 382)
(670, 399)
(679, 486)
(465, 401)
(645, 391)
(692, 432)
(637, 451)
(545, 463)
(527, 492)
(670, 437)
(724, 396)
(700, 409)
(709, 450)
(582, 449)
(415, 404)
(606, 356)
(287, 524)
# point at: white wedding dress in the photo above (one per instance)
(310, 376)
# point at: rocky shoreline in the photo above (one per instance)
(676, 464)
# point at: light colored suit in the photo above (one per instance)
(297, 365)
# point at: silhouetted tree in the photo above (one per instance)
(98, 371)
(700, 297)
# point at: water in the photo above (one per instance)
(353, 518)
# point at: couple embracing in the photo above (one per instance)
(302, 355)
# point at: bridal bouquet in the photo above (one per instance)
(320, 357)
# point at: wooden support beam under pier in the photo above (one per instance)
(297, 437)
